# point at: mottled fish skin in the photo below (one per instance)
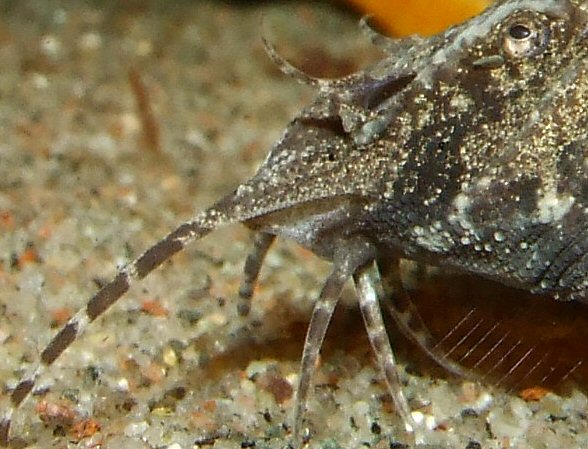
(468, 150)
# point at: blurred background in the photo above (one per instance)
(405, 17)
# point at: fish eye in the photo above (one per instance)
(519, 32)
(525, 39)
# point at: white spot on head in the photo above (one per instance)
(432, 239)
(484, 182)
(551, 207)
(461, 216)
(499, 236)
(460, 102)
(462, 202)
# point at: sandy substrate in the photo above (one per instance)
(83, 190)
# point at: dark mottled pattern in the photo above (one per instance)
(156, 255)
(4, 432)
(21, 391)
(107, 295)
(61, 341)
(466, 149)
